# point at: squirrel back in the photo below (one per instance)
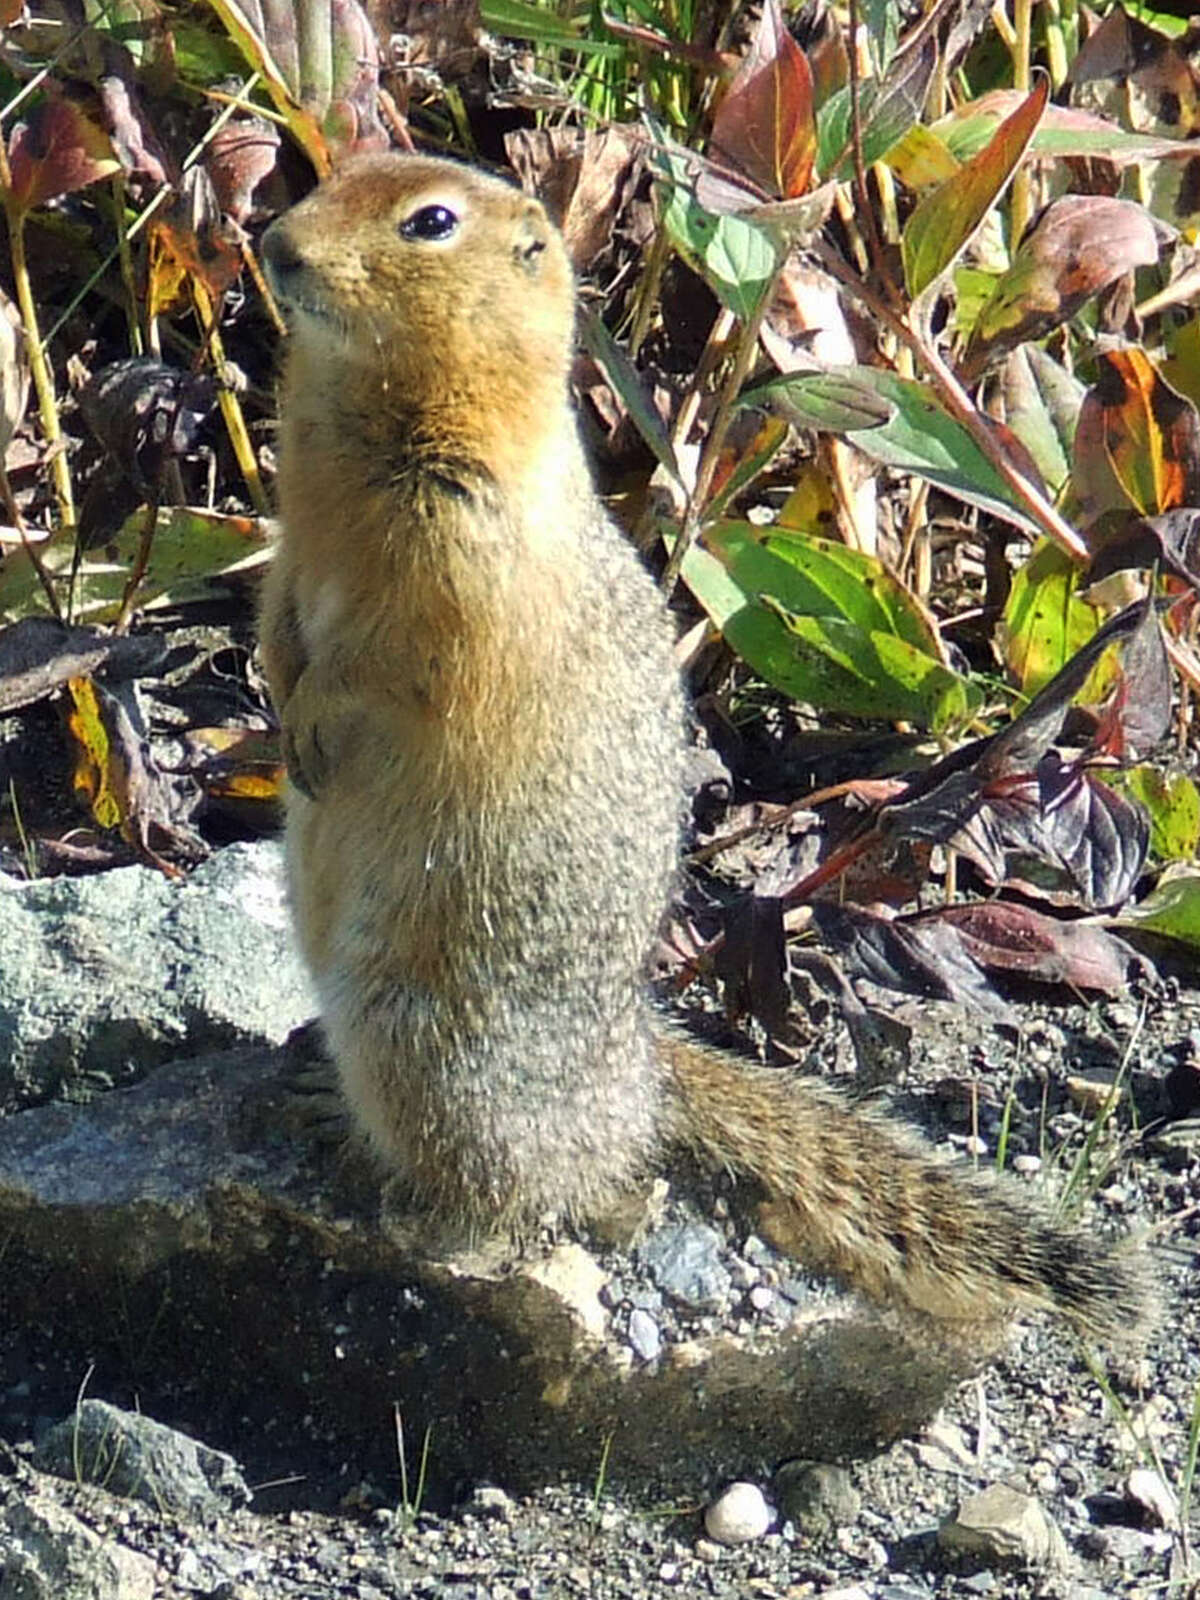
(483, 724)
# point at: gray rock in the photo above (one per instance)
(47, 1554)
(490, 1501)
(133, 1456)
(686, 1264)
(103, 977)
(182, 1229)
(817, 1497)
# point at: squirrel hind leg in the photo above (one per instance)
(859, 1195)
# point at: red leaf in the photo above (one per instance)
(1005, 936)
(56, 152)
(765, 126)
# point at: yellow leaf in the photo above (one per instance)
(95, 765)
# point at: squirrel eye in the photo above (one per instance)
(429, 223)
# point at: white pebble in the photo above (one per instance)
(1147, 1491)
(1027, 1166)
(738, 1515)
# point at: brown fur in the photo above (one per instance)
(483, 720)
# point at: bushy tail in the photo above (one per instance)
(859, 1195)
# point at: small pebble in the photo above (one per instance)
(644, 1335)
(1001, 1524)
(490, 1501)
(819, 1498)
(742, 1274)
(1027, 1166)
(738, 1515)
(762, 1298)
(1091, 1090)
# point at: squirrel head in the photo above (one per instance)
(426, 269)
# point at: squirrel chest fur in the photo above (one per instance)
(482, 722)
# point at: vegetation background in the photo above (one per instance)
(888, 360)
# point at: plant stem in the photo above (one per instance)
(743, 355)
(8, 499)
(39, 367)
(1022, 187)
(231, 410)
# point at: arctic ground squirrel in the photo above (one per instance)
(483, 724)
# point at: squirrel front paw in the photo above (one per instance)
(308, 748)
(305, 758)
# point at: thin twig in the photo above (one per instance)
(860, 170)
(39, 367)
(138, 571)
(30, 547)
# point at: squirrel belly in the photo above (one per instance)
(483, 724)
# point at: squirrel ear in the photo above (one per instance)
(533, 235)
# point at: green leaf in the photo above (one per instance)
(1029, 414)
(201, 56)
(881, 133)
(1173, 802)
(883, 32)
(973, 288)
(1064, 131)
(191, 548)
(520, 19)
(825, 625)
(1172, 909)
(623, 376)
(736, 258)
(1042, 401)
(888, 110)
(1045, 621)
(845, 582)
(916, 435)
